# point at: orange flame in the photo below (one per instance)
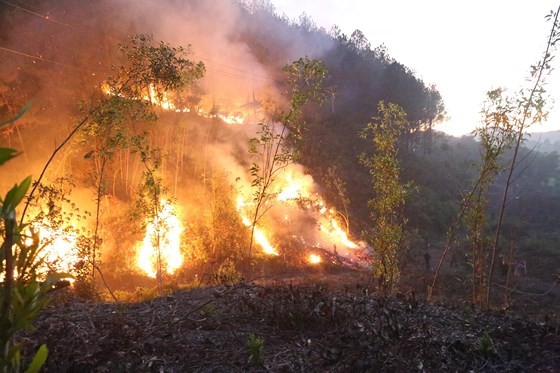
(258, 234)
(295, 187)
(162, 100)
(60, 251)
(169, 229)
(330, 226)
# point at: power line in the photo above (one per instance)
(242, 74)
(232, 68)
(39, 15)
(248, 76)
(216, 71)
(44, 59)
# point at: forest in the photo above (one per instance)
(194, 185)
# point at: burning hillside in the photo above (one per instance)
(153, 133)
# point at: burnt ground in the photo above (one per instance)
(321, 323)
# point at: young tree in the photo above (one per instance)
(525, 111)
(496, 137)
(337, 187)
(277, 144)
(273, 156)
(389, 193)
(504, 123)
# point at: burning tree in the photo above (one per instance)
(120, 120)
(274, 147)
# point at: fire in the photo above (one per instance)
(58, 250)
(259, 235)
(314, 259)
(232, 119)
(165, 102)
(293, 189)
(162, 101)
(294, 186)
(169, 229)
(329, 225)
(297, 188)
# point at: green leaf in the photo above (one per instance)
(39, 359)
(6, 154)
(19, 115)
(15, 196)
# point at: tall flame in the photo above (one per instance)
(168, 227)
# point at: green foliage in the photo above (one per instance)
(305, 78)
(160, 67)
(486, 347)
(527, 108)
(255, 345)
(120, 122)
(12, 120)
(39, 360)
(496, 136)
(386, 233)
(6, 154)
(22, 296)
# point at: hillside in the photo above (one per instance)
(545, 142)
(204, 170)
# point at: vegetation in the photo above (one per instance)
(255, 345)
(22, 296)
(277, 145)
(163, 130)
(162, 127)
(504, 121)
(386, 233)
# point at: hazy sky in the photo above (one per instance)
(464, 48)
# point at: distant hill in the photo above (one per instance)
(544, 142)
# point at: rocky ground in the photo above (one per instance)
(309, 325)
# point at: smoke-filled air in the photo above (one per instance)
(195, 148)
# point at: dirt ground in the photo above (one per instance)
(318, 322)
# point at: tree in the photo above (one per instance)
(504, 121)
(526, 110)
(149, 75)
(386, 233)
(337, 188)
(496, 137)
(279, 139)
(423, 105)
